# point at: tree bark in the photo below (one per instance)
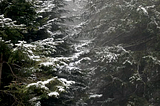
(1, 65)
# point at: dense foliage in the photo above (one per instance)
(129, 22)
(31, 33)
(126, 74)
(108, 57)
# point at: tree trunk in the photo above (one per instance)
(1, 65)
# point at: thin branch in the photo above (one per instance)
(16, 65)
(140, 42)
(9, 93)
(11, 69)
(113, 39)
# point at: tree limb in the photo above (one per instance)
(11, 69)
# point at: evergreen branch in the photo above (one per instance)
(14, 97)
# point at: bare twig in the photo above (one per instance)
(11, 69)
(140, 42)
(112, 39)
(16, 65)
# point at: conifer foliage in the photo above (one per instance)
(113, 61)
(31, 33)
(125, 58)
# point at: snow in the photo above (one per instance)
(63, 61)
(83, 59)
(52, 20)
(28, 50)
(41, 84)
(7, 19)
(80, 25)
(127, 61)
(61, 88)
(68, 0)
(52, 61)
(49, 42)
(7, 41)
(82, 44)
(46, 63)
(38, 103)
(34, 99)
(57, 33)
(35, 58)
(65, 82)
(143, 9)
(56, 94)
(76, 55)
(71, 67)
(155, 60)
(20, 44)
(8, 22)
(30, 46)
(95, 96)
(47, 7)
(74, 9)
(106, 55)
(148, 7)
